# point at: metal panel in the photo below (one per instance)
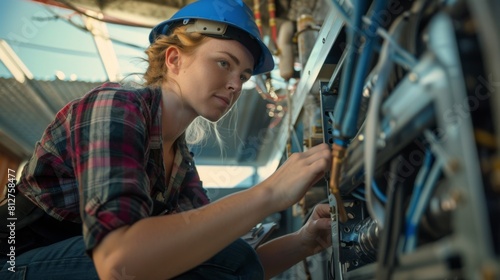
(311, 72)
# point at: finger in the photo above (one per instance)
(323, 210)
(321, 165)
(318, 176)
(323, 224)
(321, 149)
(322, 146)
(319, 155)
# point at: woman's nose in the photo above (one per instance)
(235, 84)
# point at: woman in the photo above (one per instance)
(116, 162)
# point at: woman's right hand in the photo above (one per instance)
(300, 171)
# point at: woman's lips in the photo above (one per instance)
(224, 99)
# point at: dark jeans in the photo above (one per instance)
(66, 260)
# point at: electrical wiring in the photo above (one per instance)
(375, 209)
(85, 29)
(391, 236)
(382, 70)
(406, 56)
(419, 209)
(77, 10)
(349, 127)
(422, 197)
(397, 58)
(360, 191)
(357, 195)
(419, 183)
(353, 38)
(380, 195)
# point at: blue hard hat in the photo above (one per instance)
(240, 22)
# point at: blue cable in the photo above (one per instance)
(381, 196)
(425, 182)
(360, 190)
(419, 182)
(357, 195)
(349, 124)
(352, 36)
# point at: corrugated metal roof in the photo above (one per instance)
(27, 108)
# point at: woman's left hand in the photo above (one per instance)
(315, 235)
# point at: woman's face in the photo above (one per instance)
(211, 78)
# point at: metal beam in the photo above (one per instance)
(104, 45)
(308, 81)
(14, 63)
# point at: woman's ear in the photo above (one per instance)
(172, 59)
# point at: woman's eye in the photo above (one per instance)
(244, 78)
(223, 63)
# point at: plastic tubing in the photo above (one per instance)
(349, 124)
(380, 195)
(419, 183)
(404, 57)
(359, 193)
(382, 70)
(352, 36)
(423, 201)
(375, 209)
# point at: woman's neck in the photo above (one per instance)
(176, 117)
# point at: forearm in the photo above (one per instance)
(281, 253)
(165, 246)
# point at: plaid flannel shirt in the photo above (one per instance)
(100, 163)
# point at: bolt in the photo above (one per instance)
(413, 77)
(453, 165)
(366, 93)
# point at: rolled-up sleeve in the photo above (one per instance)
(109, 139)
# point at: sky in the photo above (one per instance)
(49, 46)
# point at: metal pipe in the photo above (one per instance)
(285, 50)
(307, 34)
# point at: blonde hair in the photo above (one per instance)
(156, 74)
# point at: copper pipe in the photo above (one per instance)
(338, 155)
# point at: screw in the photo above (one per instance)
(413, 77)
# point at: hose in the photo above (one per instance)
(382, 70)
